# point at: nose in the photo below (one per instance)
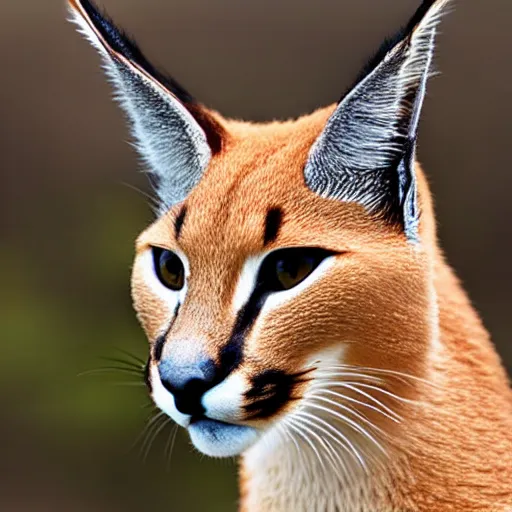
(188, 383)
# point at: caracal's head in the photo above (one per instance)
(287, 260)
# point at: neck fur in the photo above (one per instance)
(453, 449)
(283, 476)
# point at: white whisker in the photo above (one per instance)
(342, 384)
(333, 373)
(387, 393)
(385, 371)
(351, 423)
(396, 419)
(150, 439)
(169, 447)
(349, 447)
(147, 427)
(331, 452)
(359, 416)
(282, 427)
(298, 428)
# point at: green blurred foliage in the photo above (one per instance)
(87, 425)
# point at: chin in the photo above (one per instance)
(219, 439)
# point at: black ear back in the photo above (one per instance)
(174, 134)
(366, 152)
(119, 43)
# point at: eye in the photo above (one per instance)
(169, 268)
(286, 268)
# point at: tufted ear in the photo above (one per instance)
(175, 135)
(366, 151)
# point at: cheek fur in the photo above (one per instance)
(364, 302)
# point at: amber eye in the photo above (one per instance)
(169, 268)
(286, 268)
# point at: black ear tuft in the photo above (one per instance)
(175, 135)
(366, 153)
(121, 43)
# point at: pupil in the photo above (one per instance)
(289, 267)
(170, 265)
(170, 269)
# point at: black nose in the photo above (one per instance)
(188, 383)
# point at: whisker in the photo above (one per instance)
(150, 439)
(302, 373)
(282, 426)
(286, 436)
(351, 423)
(127, 363)
(298, 428)
(366, 395)
(151, 198)
(329, 448)
(137, 359)
(349, 447)
(169, 447)
(396, 419)
(111, 369)
(387, 393)
(147, 426)
(332, 373)
(359, 416)
(385, 371)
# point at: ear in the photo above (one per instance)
(366, 152)
(175, 136)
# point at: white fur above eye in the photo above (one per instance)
(247, 280)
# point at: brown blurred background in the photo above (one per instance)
(68, 220)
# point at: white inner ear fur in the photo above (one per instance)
(367, 132)
(176, 150)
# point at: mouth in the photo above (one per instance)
(219, 439)
(218, 432)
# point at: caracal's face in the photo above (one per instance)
(280, 290)
(285, 285)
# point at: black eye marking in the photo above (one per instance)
(270, 391)
(147, 380)
(272, 225)
(180, 219)
(231, 355)
(160, 341)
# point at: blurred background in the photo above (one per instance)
(69, 213)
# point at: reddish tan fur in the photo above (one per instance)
(454, 452)
(385, 305)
